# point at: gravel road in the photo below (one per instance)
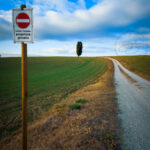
(134, 104)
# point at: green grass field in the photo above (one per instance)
(137, 64)
(49, 80)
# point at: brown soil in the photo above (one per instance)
(94, 126)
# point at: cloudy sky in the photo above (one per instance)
(106, 27)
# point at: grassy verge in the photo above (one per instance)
(49, 80)
(137, 64)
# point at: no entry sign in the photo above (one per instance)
(22, 20)
(22, 25)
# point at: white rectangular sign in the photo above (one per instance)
(22, 25)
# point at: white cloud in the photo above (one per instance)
(69, 49)
(105, 13)
(62, 17)
(129, 37)
(57, 5)
(6, 15)
(133, 41)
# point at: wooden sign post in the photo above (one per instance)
(24, 95)
(23, 32)
(24, 91)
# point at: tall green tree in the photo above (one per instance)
(79, 48)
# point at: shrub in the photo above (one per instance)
(75, 106)
(82, 101)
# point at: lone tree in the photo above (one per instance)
(79, 48)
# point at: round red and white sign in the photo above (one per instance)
(22, 20)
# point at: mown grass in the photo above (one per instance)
(137, 64)
(49, 80)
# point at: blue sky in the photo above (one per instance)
(106, 27)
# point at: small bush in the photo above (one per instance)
(82, 101)
(75, 106)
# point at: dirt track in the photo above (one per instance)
(94, 126)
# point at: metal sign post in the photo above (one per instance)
(23, 32)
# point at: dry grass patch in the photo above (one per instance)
(137, 64)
